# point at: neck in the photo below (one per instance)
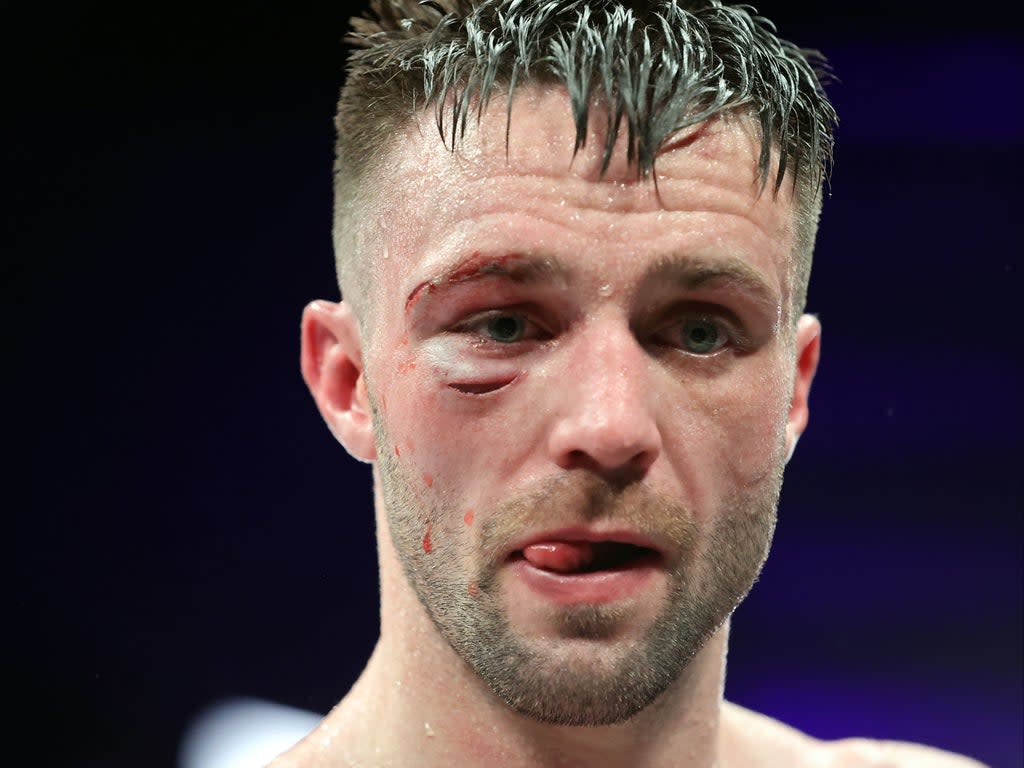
(418, 703)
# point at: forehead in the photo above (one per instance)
(537, 136)
(431, 202)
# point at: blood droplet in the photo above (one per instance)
(428, 546)
(398, 451)
(428, 479)
(468, 517)
(474, 590)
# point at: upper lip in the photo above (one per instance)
(593, 535)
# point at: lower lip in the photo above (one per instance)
(593, 588)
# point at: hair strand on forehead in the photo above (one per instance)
(655, 67)
(661, 66)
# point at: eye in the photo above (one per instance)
(698, 334)
(702, 336)
(501, 327)
(506, 329)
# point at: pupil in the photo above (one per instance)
(505, 328)
(702, 336)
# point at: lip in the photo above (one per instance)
(589, 587)
(593, 535)
(594, 588)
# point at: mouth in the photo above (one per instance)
(571, 557)
(570, 570)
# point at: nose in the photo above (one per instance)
(605, 420)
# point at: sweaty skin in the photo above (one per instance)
(568, 360)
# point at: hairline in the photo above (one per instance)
(355, 195)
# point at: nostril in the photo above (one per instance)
(618, 474)
(617, 439)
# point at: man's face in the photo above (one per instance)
(581, 389)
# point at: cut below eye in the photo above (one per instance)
(481, 387)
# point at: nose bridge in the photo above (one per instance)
(611, 367)
(606, 418)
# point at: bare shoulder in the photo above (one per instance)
(893, 754)
(758, 741)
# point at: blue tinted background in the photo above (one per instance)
(185, 529)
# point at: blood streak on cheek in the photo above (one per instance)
(428, 479)
(428, 545)
(474, 590)
(468, 517)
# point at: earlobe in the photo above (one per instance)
(332, 366)
(808, 350)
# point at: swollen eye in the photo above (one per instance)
(702, 337)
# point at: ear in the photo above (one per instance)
(808, 349)
(332, 365)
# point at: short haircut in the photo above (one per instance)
(659, 66)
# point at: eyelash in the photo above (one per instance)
(726, 334)
(476, 326)
(726, 330)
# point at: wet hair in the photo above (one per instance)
(658, 66)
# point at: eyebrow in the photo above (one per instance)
(512, 266)
(692, 272)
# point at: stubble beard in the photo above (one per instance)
(585, 677)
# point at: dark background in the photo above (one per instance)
(185, 530)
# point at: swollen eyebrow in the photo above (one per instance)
(514, 267)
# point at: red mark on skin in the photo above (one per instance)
(474, 590)
(470, 269)
(428, 479)
(427, 545)
(398, 451)
(468, 517)
(406, 365)
(416, 295)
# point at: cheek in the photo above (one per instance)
(727, 434)
(439, 434)
(752, 422)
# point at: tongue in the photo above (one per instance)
(560, 556)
